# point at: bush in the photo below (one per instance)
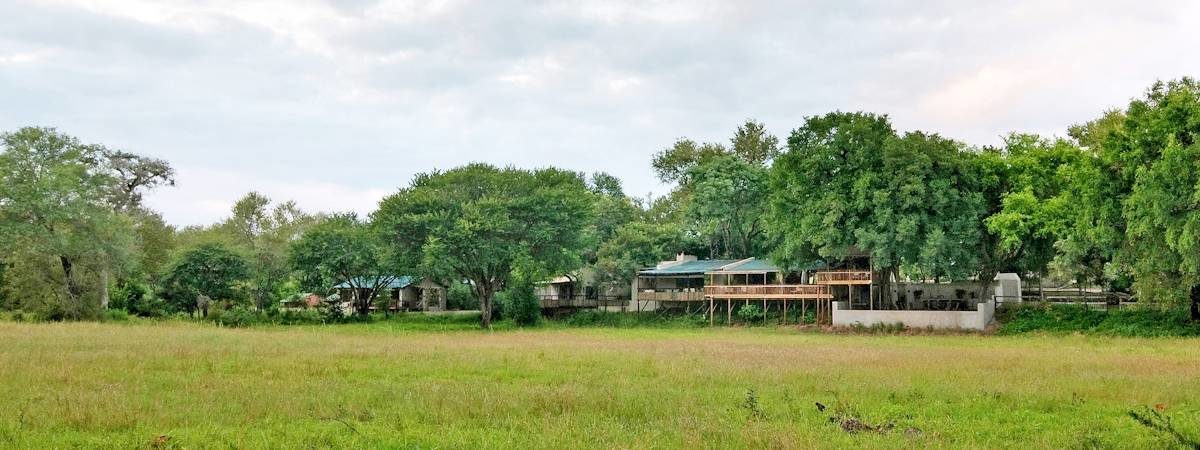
(596, 318)
(235, 316)
(460, 297)
(300, 317)
(115, 315)
(1081, 319)
(749, 313)
(520, 303)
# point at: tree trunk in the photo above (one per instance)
(887, 286)
(1195, 309)
(104, 288)
(72, 285)
(485, 308)
(985, 281)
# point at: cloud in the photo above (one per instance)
(325, 101)
(202, 195)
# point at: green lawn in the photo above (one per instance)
(197, 386)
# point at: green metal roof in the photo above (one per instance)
(395, 283)
(698, 267)
(754, 265)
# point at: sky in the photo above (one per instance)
(337, 103)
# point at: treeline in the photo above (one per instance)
(1113, 203)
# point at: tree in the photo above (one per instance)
(133, 174)
(673, 164)
(635, 246)
(263, 234)
(923, 215)
(343, 249)
(753, 144)
(1156, 154)
(479, 223)
(1027, 214)
(729, 199)
(613, 209)
(211, 270)
(52, 207)
(823, 186)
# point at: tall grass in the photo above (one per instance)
(147, 384)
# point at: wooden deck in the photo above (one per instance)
(671, 296)
(842, 277)
(770, 291)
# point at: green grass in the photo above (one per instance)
(437, 383)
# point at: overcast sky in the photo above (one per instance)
(336, 103)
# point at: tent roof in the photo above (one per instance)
(400, 282)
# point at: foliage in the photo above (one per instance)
(479, 223)
(1142, 322)
(263, 234)
(822, 183)
(729, 199)
(750, 313)
(606, 319)
(54, 218)
(923, 215)
(634, 246)
(1028, 211)
(211, 270)
(136, 298)
(460, 297)
(520, 303)
(1136, 196)
(234, 316)
(342, 249)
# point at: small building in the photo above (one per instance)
(405, 293)
(306, 300)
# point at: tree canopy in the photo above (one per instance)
(480, 223)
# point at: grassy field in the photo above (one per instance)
(189, 385)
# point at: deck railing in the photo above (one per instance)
(798, 291)
(671, 296)
(842, 277)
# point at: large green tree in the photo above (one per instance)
(1156, 153)
(343, 249)
(1024, 186)
(479, 223)
(729, 198)
(211, 270)
(849, 182)
(635, 246)
(823, 185)
(55, 218)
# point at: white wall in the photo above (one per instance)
(967, 320)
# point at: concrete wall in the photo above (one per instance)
(967, 320)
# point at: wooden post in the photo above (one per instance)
(784, 311)
(709, 311)
(728, 312)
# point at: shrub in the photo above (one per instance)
(520, 303)
(750, 313)
(460, 297)
(300, 317)
(1081, 319)
(235, 316)
(115, 315)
